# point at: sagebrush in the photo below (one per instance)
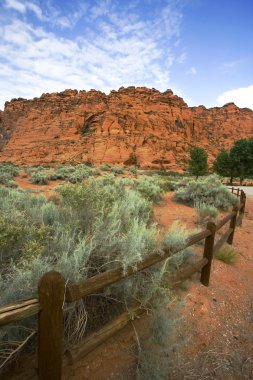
(208, 190)
(95, 226)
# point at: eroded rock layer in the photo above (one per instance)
(129, 126)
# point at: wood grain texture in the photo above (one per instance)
(208, 254)
(50, 326)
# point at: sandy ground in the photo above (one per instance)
(215, 338)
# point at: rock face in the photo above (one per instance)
(129, 126)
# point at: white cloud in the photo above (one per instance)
(16, 5)
(23, 7)
(182, 58)
(242, 97)
(127, 50)
(227, 67)
(49, 14)
(192, 71)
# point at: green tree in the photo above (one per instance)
(198, 161)
(242, 157)
(223, 165)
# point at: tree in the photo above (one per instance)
(223, 165)
(242, 157)
(198, 161)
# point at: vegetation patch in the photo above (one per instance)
(206, 212)
(207, 190)
(97, 225)
(226, 254)
(8, 172)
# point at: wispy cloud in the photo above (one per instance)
(242, 97)
(48, 14)
(123, 49)
(182, 58)
(227, 67)
(191, 71)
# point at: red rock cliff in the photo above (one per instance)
(132, 125)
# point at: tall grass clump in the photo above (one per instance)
(105, 167)
(8, 172)
(149, 187)
(226, 254)
(39, 178)
(74, 174)
(117, 169)
(176, 237)
(208, 190)
(205, 211)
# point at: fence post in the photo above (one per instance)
(208, 253)
(238, 191)
(50, 326)
(232, 225)
(242, 209)
(232, 190)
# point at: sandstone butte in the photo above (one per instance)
(129, 126)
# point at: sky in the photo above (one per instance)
(200, 49)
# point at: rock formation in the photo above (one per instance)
(129, 126)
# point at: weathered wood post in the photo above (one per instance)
(50, 326)
(242, 207)
(238, 191)
(232, 190)
(208, 253)
(232, 225)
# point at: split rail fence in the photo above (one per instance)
(54, 292)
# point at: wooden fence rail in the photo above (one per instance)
(53, 292)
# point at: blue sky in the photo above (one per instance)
(201, 49)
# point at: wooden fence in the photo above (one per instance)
(54, 292)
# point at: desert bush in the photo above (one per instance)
(105, 167)
(133, 170)
(117, 169)
(62, 172)
(226, 254)
(149, 188)
(11, 183)
(97, 225)
(209, 190)
(176, 237)
(39, 178)
(205, 211)
(7, 172)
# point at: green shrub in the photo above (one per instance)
(209, 190)
(63, 172)
(11, 184)
(7, 172)
(176, 237)
(205, 211)
(39, 178)
(117, 169)
(98, 225)
(226, 254)
(133, 170)
(105, 167)
(149, 188)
